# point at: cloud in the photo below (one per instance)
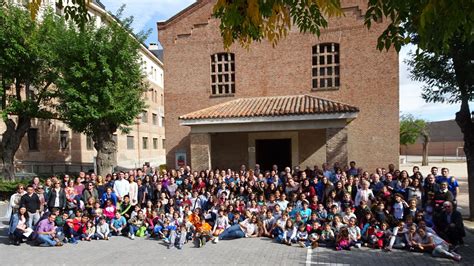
(410, 95)
(147, 12)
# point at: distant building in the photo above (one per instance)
(50, 146)
(307, 101)
(446, 139)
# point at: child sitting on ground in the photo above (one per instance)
(342, 240)
(302, 236)
(90, 231)
(289, 233)
(102, 229)
(327, 236)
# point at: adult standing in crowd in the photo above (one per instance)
(121, 186)
(32, 203)
(57, 197)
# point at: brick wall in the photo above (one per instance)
(369, 78)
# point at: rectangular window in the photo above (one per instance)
(145, 143)
(63, 139)
(325, 69)
(145, 117)
(89, 143)
(155, 143)
(33, 139)
(154, 118)
(130, 143)
(222, 74)
(163, 143)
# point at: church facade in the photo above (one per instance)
(307, 101)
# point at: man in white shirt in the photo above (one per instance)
(121, 186)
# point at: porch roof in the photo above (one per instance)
(271, 109)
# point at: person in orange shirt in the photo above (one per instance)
(202, 230)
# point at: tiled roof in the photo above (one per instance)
(271, 106)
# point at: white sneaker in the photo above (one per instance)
(132, 237)
(215, 240)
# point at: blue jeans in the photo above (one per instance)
(277, 234)
(46, 239)
(132, 229)
(232, 232)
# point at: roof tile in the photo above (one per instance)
(271, 106)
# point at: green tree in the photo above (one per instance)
(75, 10)
(412, 129)
(101, 84)
(27, 72)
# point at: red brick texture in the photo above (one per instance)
(369, 78)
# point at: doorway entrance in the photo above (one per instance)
(273, 151)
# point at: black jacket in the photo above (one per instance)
(52, 197)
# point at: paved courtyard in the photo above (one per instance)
(258, 251)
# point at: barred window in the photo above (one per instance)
(222, 74)
(326, 74)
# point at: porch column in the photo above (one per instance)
(336, 146)
(200, 151)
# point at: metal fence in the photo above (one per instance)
(50, 168)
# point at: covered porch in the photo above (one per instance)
(300, 130)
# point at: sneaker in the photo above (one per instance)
(132, 237)
(338, 248)
(60, 244)
(180, 246)
(457, 257)
(199, 243)
(314, 245)
(215, 240)
(166, 240)
(358, 245)
(301, 244)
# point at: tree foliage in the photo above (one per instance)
(246, 21)
(101, 79)
(75, 10)
(27, 63)
(411, 129)
(437, 73)
(429, 23)
(101, 84)
(27, 72)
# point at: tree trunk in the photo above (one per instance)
(460, 55)
(11, 141)
(106, 152)
(463, 118)
(426, 141)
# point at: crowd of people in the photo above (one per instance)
(333, 207)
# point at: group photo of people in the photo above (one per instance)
(328, 206)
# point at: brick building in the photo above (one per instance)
(446, 139)
(307, 101)
(50, 146)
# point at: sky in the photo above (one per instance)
(147, 12)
